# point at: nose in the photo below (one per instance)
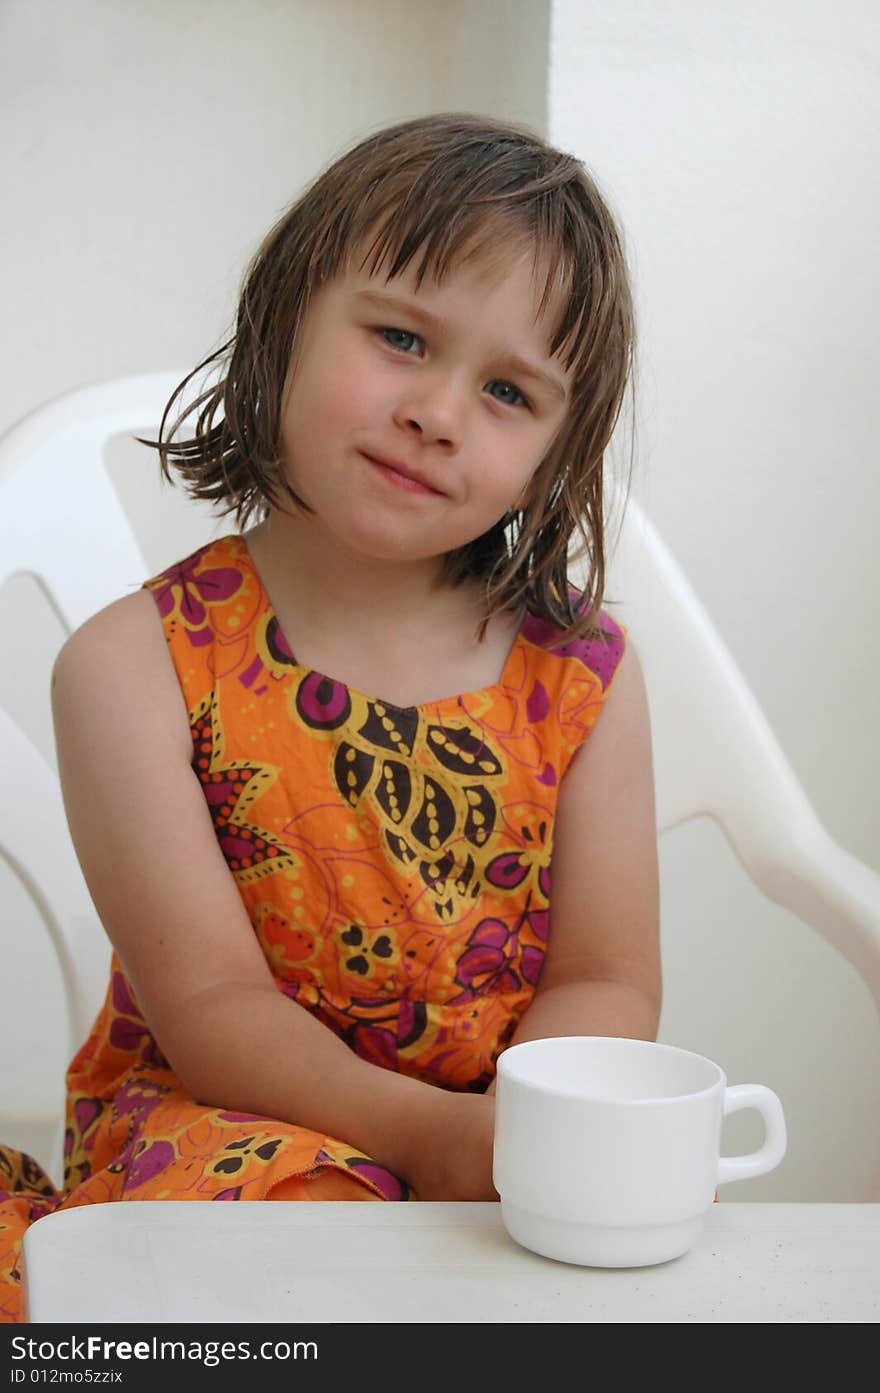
(433, 408)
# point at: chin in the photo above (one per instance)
(375, 545)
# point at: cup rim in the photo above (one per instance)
(556, 1092)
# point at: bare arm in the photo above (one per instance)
(602, 975)
(171, 908)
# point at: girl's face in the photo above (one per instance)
(414, 419)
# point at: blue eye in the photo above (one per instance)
(393, 336)
(517, 397)
(405, 342)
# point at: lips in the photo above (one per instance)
(405, 475)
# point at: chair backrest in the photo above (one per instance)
(52, 470)
(714, 751)
(715, 755)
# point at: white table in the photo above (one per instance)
(303, 1262)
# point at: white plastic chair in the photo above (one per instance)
(715, 755)
(714, 752)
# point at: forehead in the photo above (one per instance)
(523, 288)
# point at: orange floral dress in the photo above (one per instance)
(394, 863)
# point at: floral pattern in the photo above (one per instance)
(395, 865)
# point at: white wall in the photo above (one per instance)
(149, 146)
(740, 146)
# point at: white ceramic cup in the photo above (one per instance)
(608, 1151)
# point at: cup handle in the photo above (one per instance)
(754, 1095)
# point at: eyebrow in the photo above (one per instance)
(410, 308)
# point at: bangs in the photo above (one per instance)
(495, 237)
(568, 258)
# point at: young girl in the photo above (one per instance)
(316, 772)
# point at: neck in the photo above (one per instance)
(299, 560)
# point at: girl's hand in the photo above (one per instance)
(454, 1160)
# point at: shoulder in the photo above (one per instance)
(117, 673)
(618, 752)
(568, 681)
(212, 594)
(114, 674)
(213, 573)
(117, 633)
(598, 653)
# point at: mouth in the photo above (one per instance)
(401, 476)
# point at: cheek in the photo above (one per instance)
(340, 373)
(526, 491)
(515, 467)
(534, 460)
(340, 390)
